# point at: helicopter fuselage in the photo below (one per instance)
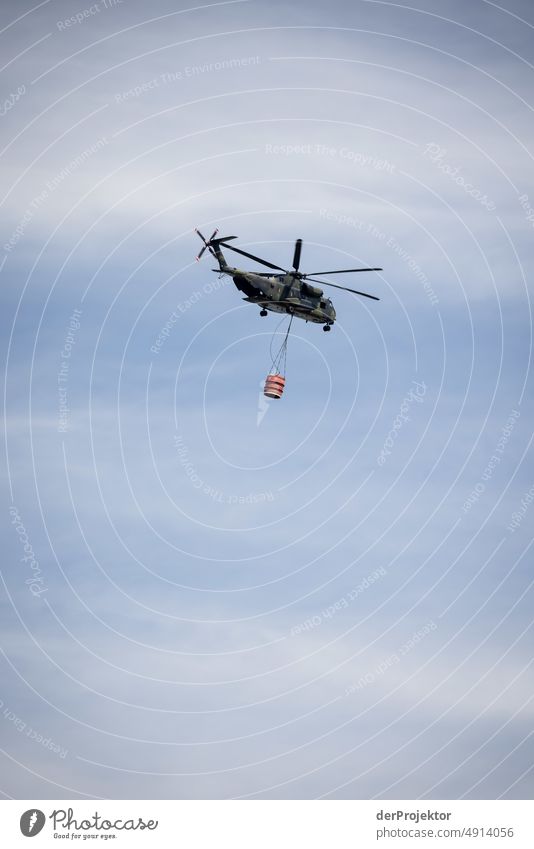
(283, 293)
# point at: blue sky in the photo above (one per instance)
(324, 596)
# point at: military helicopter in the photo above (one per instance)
(285, 292)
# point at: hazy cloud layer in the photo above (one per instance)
(206, 594)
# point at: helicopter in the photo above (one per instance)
(282, 292)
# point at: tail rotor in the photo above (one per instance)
(207, 243)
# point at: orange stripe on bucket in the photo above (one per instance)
(274, 386)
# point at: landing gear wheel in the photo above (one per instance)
(326, 328)
(263, 313)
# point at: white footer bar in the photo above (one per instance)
(272, 824)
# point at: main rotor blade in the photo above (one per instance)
(345, 288)
(296, 255)
(256, 258)
(344, 271)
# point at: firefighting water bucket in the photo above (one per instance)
(274, 386)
